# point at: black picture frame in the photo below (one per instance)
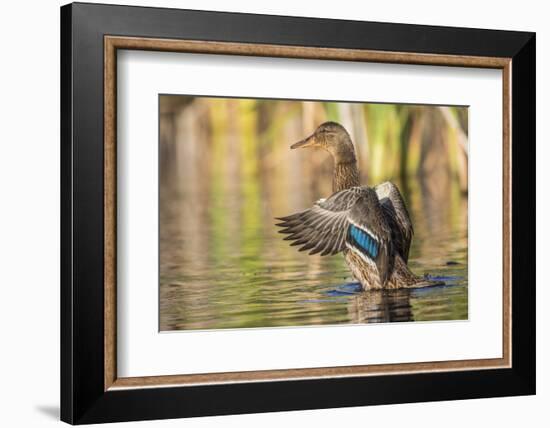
(83, 398)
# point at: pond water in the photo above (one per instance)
(223, 264)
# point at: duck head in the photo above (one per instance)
(333, 138)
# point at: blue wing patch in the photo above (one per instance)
(363, 241)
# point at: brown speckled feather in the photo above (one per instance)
(397, 217)
(368, 214)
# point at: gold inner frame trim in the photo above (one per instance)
(113, 43)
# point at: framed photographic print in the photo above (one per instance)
(265, 213)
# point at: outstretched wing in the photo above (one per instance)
(352, 219)
(397, 217)
(323, 227)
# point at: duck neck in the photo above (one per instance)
(346, 175)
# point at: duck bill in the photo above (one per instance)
(307, 142)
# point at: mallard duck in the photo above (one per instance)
(370, 226)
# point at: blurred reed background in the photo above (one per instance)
(226, 171)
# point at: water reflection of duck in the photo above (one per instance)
(379, 306)
(370, 226)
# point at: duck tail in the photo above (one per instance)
(402, 277)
